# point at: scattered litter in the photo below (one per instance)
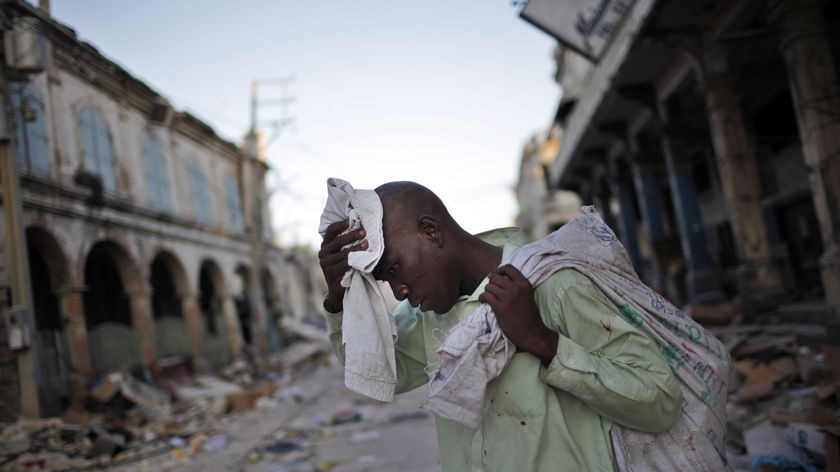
(346, 416)
(410, 416)
(328, 464)
(781, 463)
(783, 411)
(215, 443)
(266, 403)
(283, 447)
(163, 413)
(363, 436)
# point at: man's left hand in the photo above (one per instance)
(511, 296)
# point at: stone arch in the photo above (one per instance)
(169, 287)
(111, 277)
(48, 275)
(49, 272)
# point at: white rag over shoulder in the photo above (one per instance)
(368, 329)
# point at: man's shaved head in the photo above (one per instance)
(404, 202)
(422, 255)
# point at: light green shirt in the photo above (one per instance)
(545, 418)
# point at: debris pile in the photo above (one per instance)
(783, 412)
(123, 417)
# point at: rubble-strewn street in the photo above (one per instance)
(300, 420)
(316, 425)
(291, 412)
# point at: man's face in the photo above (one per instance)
(415, 270)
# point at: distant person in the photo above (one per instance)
(578, 365)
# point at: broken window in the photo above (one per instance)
(97, 151)
(234, 203)
(30, 131)
(201, 194)
(157, 179)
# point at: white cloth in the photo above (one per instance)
(369, 330)
(461, 386)
(476, 351)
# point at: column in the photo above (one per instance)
(143, 323)
(192, 318)
(601, 200)
(701, 284)
(647, 194)
(71, 300)
(233, 330)
(627, 221)
(815, 88)
(760, 278)
(270, 320)
(259, 336)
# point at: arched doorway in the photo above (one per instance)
(168, 282)
(215, 347)
(48, 273)
(112, 341)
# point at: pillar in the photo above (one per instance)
(259, 335)
(71, 300)
(142, 321)
(233, 330)
(192, 318)
(647, 194)
(815, 89)
(271, 321)
(760, 278)
(601, 199)
(702, 285)
(627, 221)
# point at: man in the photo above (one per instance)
(579, 368)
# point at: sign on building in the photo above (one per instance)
(586, 26)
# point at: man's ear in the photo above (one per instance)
(430, 230)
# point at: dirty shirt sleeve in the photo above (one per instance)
(602, 359)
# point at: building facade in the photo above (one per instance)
(706, 132)
(147, 236)
(542, 208)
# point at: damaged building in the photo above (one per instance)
(146, 236)
(706, 133)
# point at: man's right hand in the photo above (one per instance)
(333, 259)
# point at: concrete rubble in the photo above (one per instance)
(783, 412)
(125, 418)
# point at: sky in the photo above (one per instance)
(369, 91)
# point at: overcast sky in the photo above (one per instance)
(444, 94)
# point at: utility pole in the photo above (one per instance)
(18, 319)
(26, 51)
(254, 178)
(284, 101)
